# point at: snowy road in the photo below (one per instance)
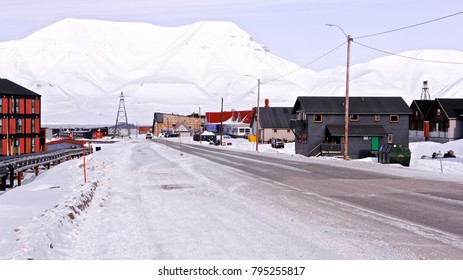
(159, 204)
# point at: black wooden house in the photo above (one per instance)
(373, 121)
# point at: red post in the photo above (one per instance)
(85, 166)
(20, 175)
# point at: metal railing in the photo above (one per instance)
(324, 149)
(9, 166)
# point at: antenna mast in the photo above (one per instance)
(425, 91)
(121, 128)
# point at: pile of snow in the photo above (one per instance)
(81, 66)
(46, 211)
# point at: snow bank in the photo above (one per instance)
(46, 211)
(419, 167)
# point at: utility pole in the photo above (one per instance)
(346, 104)
(258, 111)
(221, 121)
(258, 115)
(200, 127)
(346, 113)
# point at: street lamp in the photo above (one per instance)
(257, 121)
(346, 113)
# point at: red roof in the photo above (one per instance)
(80, 143)
(244, 116)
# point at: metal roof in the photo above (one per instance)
(243, 116)
(274, 117)
(7, 87)
(357, 105)
(453, 107)
(423, 106)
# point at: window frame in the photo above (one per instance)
(315, 118)
(390, 138)
(394, 116)
(354, 117)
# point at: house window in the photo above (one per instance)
(301, 116)
(317, 118)
(33, 145)
(33, 106)
(19, 125)
(16, 105)
(275, 131)
(354, 118)
(33, 125)
(288, 130)
(1, 102)
(377, 118)
(390, 138)
(438, 112)
(16, 146)
(394, 119)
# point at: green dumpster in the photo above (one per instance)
(400, 154)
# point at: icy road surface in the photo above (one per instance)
(165, 205)
(162, 205)
(144, 200)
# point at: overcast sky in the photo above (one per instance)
(292, 29)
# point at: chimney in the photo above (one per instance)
(266, 103)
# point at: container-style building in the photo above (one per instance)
(20, 110)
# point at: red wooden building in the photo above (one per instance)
(19, 119)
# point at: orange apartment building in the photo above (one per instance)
(19, 119)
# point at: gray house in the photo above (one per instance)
(274, 123)
(373, 121)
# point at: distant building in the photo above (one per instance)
(64, 144)
(166, 123)
(373, 121)
(418, 119)
(443, 120)
(274, 123)
(235, 123)
(20, 110)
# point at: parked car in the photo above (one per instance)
(277, 143)
(149, 135)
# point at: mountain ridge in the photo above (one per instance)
(81, 66)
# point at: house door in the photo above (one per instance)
(374, 143)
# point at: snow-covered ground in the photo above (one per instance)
(421, 164)
(50, 214)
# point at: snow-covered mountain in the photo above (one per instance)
(80, 67)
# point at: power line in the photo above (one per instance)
(305, 65)
(286, 74)
(410, 26)
(408, 57)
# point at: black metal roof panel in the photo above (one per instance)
(423, 106)
(453, 107)
(7, 87)
(357, 130)
(274, 117)
(357, 105)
